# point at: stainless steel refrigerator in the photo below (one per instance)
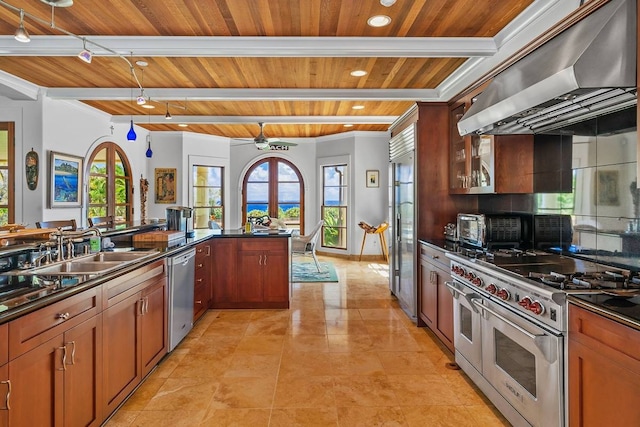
(402, 269)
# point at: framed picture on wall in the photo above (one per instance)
(373, 178)
(65, 188)
(165, 183)
(607, 188)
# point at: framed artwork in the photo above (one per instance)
(165, 179)
(65, 188)
(373, 178)
(607, 188)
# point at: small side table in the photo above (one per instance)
(379, 230)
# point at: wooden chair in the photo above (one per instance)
(69, 224)
(102, 221)
(379, 230)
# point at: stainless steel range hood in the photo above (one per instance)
(587, 70)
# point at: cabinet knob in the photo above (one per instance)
(199, 280)
(200, 265)
(198, 301)
(63, 316)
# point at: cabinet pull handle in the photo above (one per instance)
(265, 259)
(435, 256)
(198, 301)
(64, 358)
(260, 260)
(146, 305)
(141, 301)
(7, 396)
(200, 265)
(63, 316)
(208, 250)
(73, 352)
(199, 280)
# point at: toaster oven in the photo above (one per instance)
(489, 230)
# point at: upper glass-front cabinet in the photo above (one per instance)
(481, 175)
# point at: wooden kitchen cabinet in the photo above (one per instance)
(55, 364)
(4, 394)
(135, 330)
(259, 277)
(203, 279)
(435, 302)
(604, 371)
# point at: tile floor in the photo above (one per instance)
(344, 355)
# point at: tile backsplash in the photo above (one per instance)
(605, 202)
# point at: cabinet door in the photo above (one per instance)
(154, 324)
(428, 294)
(445, 309)
(224, 272)
(4, 395)
(121, 350)
(37, 386)
(275, 277)
(249, 281)
(83, 374)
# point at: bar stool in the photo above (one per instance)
(379, 230)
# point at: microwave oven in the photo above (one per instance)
(489, 230)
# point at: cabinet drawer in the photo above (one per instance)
(4, 343)
(434, 255)
(31, 330)
(126, 285)
(263, 244)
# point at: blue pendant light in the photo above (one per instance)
(149, 153)
(131, 136)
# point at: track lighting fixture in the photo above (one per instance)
(21, 33)
(167, 116)
(131, 135)
(85, 54)
(140, 100)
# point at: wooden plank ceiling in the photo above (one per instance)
(249, 18)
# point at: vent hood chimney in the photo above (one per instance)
(586, 71)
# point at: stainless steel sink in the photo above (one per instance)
(119, 256)
(78, 267)
(89, 264)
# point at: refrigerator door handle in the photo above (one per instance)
(398, 233)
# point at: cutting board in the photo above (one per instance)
(159, 236)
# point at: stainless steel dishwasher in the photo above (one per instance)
(181, 285)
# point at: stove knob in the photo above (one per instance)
(492, 289)
(525, 302)
(469, 276)
(503, 294)
(537, 308)
(477, 281)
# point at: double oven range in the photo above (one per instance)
(510, 325)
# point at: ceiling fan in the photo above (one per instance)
(263, 143)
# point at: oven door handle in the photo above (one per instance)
(478, 303)
(538, 339)
(457, 292)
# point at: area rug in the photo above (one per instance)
(307, 272)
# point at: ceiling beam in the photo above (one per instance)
(182, 46)
(160, 119)
(208, 94)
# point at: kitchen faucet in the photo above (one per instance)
(61, 235)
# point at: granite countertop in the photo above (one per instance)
(47, 289)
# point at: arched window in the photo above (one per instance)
(274, 187)
(110, 185)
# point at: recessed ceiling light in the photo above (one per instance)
(183, 125)
(148, 106)
(358, 107)
(379, 21)
(387, 3)
(358, 73)
(142, 63)
(348, 125)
